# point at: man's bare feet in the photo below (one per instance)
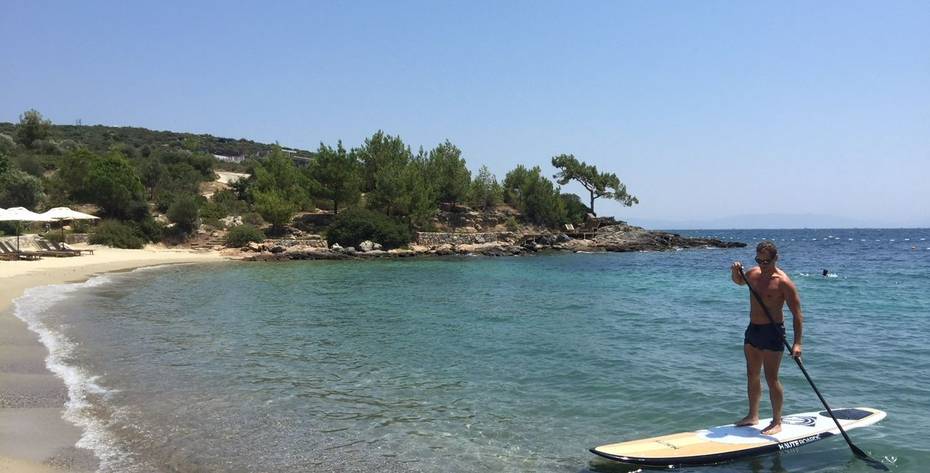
(772, 429)
(746, 421)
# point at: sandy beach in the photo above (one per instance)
(33, 435)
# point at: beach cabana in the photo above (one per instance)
(21, 214)
(61, 214)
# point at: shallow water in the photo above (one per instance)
(482, 364)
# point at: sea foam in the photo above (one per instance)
(34, 308)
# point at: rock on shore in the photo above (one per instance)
(618, 238)
(625, 237)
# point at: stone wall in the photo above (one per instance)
(312, 241)
(77, 237)
(446, 238)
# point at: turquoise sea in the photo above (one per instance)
(475, 364)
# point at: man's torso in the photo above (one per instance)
(769, 289)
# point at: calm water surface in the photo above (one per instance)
(481, 364)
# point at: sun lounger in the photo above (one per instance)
(14, 254)
(49, 249)
(49, 245)
(24, 255)
(64, 247)
(6, 255)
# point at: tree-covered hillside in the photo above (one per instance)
(100, 138)
(159, 185)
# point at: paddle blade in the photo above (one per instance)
(866, 458)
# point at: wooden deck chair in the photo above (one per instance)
(49, 249)
(23, 255)
(6, 254)
(62, 246)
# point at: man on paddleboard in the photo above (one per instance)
(762, 341)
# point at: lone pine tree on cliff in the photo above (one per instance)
(598, 184)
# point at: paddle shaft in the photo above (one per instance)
(856, 450)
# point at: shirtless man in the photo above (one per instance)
(762, 342)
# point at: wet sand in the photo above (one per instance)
(33, 436)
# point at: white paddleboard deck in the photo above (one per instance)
(726, 442)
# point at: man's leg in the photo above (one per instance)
(771, 360)
(753, 383)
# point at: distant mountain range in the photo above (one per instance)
(766, 221)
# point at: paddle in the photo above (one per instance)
(856, 450)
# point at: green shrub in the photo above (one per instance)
(485, 192)
(7, 145)
(575, 210)
(19, 189)
(80, 226)
(323, 204)
(32, 126)
(211, 222)
(174, 235)
(8, 228)
(512, 224)
(253, 218)
(223, 204)
(534, 196)
(275, 208)
(111, 182)
(164, 199)
(149, 229)
(356, 225)
(185, 212)
(242, 235)
(117, 234)
(30, 164)
(46, 147)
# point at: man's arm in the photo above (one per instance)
(794, 304)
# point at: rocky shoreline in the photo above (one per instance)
(612, 238)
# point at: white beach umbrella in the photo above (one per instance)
(64, 213)
(21, 214)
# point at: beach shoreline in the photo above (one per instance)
(34, 437)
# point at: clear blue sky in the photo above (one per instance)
(706, 110)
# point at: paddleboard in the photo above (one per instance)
(727, 442)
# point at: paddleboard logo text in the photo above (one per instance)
(798, 442)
